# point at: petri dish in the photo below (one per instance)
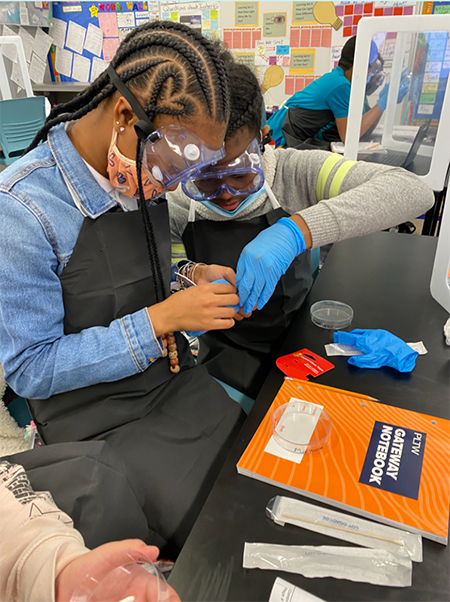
(291, 421)
(125, 576)
(333, 315)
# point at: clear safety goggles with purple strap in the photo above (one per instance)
(241, 176)
(172, 153)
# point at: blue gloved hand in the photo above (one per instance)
(402, 91)
(197, 333)
(264, 260)
(380, 347)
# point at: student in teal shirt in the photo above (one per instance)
(320, 110)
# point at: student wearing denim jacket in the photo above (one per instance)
(86, 317)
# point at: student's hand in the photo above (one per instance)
(72, 575)
(402, 91)
(242, 315)
(264, 260)
(210, 273)
(198, 308)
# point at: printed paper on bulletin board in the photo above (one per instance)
(246, 14)
(436, 8)
(247, 59)
(302, 13)
(302, 61)
(274, 25)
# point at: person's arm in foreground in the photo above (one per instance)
(39, 546)
(43, 558)
(329, 199)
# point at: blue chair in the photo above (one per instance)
(20, 120)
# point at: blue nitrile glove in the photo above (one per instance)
(380, 347)
(195, 333)
(264, 260)
(402, 91)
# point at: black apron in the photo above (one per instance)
(242, 356)
(172, 430)
(83, 477)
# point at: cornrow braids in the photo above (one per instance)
(152, 250)
(191, 60)
(245, 95)
(172, 70)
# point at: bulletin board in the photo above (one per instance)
(86, 35)
(432, 73)
(287, 44)
(203, 16)
(436, 8)
(294, 43)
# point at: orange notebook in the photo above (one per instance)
(381, 462)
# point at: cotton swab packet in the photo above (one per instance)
(283, 591)
(378, 567)
(343, 526)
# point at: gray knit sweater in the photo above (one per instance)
(337, 198)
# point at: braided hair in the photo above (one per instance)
(246, 98)
(172, 70)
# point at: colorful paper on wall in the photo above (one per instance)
(246, 58)
(274, 24)
(272, 52)
(110, 46)
(108, 24)
(302, 61)
(310, 37)
(246, 14)
(302, 12)
(241, 38)
(203, 16)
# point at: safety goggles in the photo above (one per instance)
(375, 75)
(171, 154)
(241, 176)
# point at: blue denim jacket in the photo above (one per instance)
(40, 224)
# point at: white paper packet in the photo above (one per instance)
(341, 349)
(378, 567)
(347, 350)
(283, 591)
(343, 526)
(447, 331)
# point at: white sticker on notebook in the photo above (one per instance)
(299, 430)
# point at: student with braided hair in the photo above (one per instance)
(261, 213)
(86, 316)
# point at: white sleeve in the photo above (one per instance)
(37, 540)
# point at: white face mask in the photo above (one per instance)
(248, 201)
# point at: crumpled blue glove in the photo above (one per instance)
(380, 347)
(402, 91)
(264, 260)
(197, 333)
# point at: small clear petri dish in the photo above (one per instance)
(126, 576)
(333, 315)
(297, 427)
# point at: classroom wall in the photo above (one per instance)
(287, 44)
(315, 33)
